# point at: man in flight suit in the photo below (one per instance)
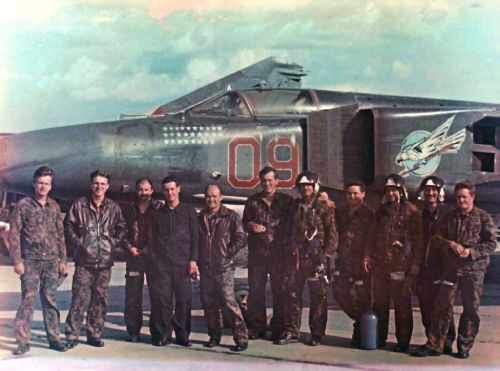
(175, 255)
(265, 220)
(431, 191)
(139, 216)
(394, 260)
(356, 223)
(313, 247)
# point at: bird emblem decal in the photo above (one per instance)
(421, 151)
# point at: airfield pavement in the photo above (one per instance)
(334, 353)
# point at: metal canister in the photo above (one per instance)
(369, 330)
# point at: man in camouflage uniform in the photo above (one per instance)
(36, 241)
(313, 249)
(431, 191)
(221, 237)
(356, 223)
(467, 236)
(139, 217)
(96, 227)
(394, 260)
(265, 218)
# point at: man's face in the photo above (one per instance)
(268, 183)
(306, 191)
(42, 186)
(99, 186)
(465, 201)
(392, 194)
(354, 195)
(213, 198)
(171, 192)
(431, 194)
(144, 191)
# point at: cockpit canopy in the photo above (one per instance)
(246, 104)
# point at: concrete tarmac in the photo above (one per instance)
(334, 353)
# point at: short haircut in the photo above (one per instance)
(465, 184)
(266, 170)
(212, 186)
(356, 183)
(141, 180)
(100, 172)
(43, 171)
(169, 179)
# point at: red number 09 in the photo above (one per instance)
(291, 165)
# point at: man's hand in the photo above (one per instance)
(19, 268)
(465, 254)
(324, 197)
(397, 244)
(367, 264)
(134, 251)
(63, 269)
(457, 248)
(414, 269)
(192, 269)
(257, 228)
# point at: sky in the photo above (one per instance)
(65, 62)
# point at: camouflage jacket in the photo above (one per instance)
(95, 236)
(274, 218)
(37, 231)
(474, 231)
(356, 232)
(403, 224)
(317, 217)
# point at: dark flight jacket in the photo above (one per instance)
(95, 237)
(175, 232)
(222, 242)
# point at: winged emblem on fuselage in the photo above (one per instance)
(421, 151)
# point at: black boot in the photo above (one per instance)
(21, 349)
(57, 346)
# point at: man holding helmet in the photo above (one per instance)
(313, 247)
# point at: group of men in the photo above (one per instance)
(369, 256)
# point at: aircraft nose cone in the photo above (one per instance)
(69, 151)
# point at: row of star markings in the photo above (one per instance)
(193, 128)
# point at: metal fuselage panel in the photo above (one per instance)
(197, 153)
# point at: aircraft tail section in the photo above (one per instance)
(270, 73)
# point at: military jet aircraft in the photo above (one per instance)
(227, 131)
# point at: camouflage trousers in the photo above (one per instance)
(318, 311)
(427, 293)
(353, 296)
(40, 275)
(260, 266)
(385, 288)
(217, 294)
(94, 283)
(134, 284)
(471, 287)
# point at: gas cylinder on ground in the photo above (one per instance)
(369, 330)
